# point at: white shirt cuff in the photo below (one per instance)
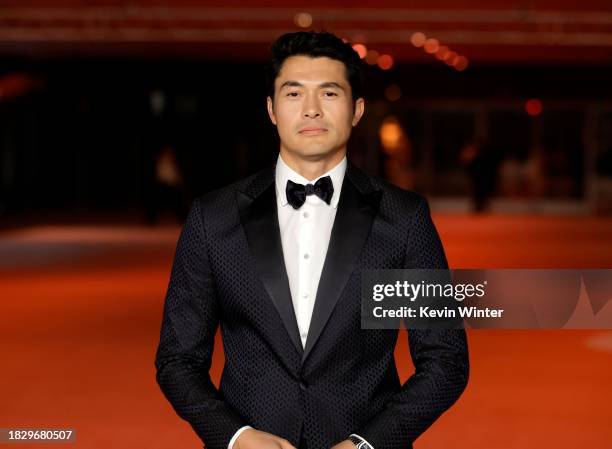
(236, 435)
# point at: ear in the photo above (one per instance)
(359, 109)
(271, 110)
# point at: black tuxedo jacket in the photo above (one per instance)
(229, 271)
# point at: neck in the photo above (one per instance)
(312, 168)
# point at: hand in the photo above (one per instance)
(256, 439)
(346, 444)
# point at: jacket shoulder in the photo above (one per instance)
(219, 200)
(396, 197)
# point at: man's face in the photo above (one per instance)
(313, 107)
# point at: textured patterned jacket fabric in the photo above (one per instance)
(229, 271)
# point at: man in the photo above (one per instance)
(275, 260)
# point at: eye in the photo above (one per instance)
(292, 94)
(331, 94)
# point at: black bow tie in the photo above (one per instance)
(297, 193)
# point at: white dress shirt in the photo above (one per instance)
(305, 234)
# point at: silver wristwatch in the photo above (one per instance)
(359, 442)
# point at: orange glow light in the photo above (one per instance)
(303, 19)
(361, 50)
(461, 63)
(450, 58)
(390, 134)
(431, 45)
(385, 62)
(442, 52)
(418, 39)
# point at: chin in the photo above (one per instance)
(315, 153)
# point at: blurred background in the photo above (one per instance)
(115, 114)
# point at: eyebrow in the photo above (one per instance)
(324, 85)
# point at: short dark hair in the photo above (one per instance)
(315, 44)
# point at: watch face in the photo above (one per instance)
(359, 443)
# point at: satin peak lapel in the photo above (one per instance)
(357, 208)
(259, 216)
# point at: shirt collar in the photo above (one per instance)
(285, 173)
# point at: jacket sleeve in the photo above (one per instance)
(184, 354)
(440, 357)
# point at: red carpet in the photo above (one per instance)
(81, 309)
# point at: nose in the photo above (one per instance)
(312, 108)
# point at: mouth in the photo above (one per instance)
(312, 131)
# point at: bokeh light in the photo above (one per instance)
(361, 50)
(533, 106)
(303, 19)
(393, 92)
(418, 39)
(431, 45)
(385, 62)
(461, 63)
